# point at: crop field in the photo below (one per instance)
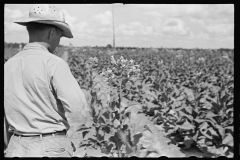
(153, 102)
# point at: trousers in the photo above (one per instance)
(39, 146)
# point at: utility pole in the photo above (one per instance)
(113, 26)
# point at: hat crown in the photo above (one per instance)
(46, 12)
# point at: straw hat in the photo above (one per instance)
(48, 14)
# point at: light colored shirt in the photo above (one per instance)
(38, 89)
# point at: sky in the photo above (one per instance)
(136, 25)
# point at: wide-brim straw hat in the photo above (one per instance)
(48, 14)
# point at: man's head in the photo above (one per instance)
(39, 32)
(46, 23)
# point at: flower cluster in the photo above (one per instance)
(108, 74)
(225, 56)
(134, 69)
(201, 60)
(121, 62)
(113, 61)
(109, 52)
(179, 56)
(123, 65)
(95, 59)
(198, 74)
(160, 62)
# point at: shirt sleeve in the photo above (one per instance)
(68, 91)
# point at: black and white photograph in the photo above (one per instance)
(119, 80)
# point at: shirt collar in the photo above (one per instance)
(35, 46)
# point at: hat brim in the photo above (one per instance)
(63, 26)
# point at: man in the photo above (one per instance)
(39, 88)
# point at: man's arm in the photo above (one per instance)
(69, 92)
(7, 135)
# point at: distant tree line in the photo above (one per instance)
(109, 46)
(16, 45)
(13, 45)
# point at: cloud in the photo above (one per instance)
(148, 31)
(215, 29)
(70, 20)
(170, 10)
(220, 29)
(80, 27)
(10, 26)
(210, 14)
(104, 18)
(175, 26)
(169, 27)
(173, 22)
(143, 24)
(198, 11)
(134, 29)
(191, 35)
(190, 10)
(153, 13)
(212, 21)
(203, 36)
(13, 14)
(220, 12)
(149, 7)
(124, 29)
(97, 26)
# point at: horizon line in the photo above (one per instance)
(130, 46)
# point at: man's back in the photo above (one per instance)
(31, 105)
(39, 88)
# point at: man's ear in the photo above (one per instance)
(51, 33)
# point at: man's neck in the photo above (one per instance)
(44, 44)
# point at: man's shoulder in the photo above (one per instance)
(53, 59)
(10, 59)
(49, 58)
